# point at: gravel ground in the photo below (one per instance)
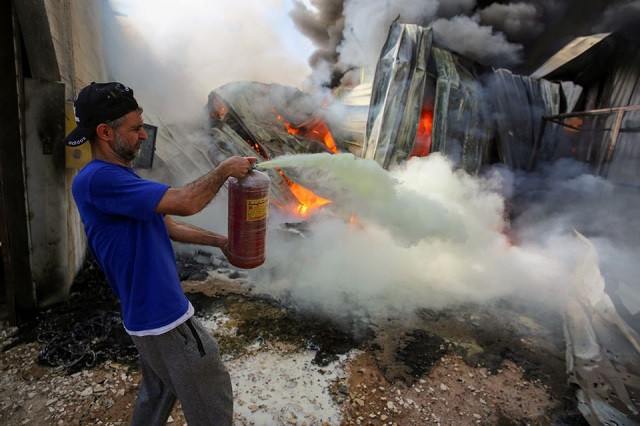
(460, 367)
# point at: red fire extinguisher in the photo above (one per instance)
(248, 212)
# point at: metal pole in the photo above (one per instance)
(536, 145)
(604, 168)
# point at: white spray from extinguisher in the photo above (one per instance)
(362, 187)
(423, 235)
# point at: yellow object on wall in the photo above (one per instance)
(76, 157)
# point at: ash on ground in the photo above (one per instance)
(470, 365)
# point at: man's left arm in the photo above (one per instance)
(186, 233)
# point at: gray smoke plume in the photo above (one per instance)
(518, 21)
(562, 197)
(324, 28)
(621, 16)
(467, 37)
(518, 35)
(449, 9)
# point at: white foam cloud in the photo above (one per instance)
(342, 267)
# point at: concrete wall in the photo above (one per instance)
(65, 54)
(76, 32)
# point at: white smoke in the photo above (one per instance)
(466, 36)
(365, 267)
(519, 21)
(175, 53)
(368, 267)
(364, 188)
(367, 24)
(434, 236)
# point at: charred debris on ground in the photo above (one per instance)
(86, 330)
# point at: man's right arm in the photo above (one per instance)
(195, 196)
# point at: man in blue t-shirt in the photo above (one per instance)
(128, 228)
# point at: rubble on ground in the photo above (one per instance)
(464, 366)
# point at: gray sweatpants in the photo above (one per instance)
(183, 363)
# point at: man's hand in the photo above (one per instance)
(237, 167)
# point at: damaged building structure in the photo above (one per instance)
(426, 99)
(423, 99)
(572, 106)
(482, 116)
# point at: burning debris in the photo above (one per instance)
(472, 113)
(268, 121)
(399, 309)
(424, 100)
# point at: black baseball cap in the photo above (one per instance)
(99, 103)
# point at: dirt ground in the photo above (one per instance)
(457, 367)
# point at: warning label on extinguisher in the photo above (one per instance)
(257, 209)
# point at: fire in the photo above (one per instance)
(314, 129)
(574, 123)
(307, 199)
(353, 220)
(218, 110)
(422, 144)
(317, 130)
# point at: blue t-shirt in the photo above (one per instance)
(131, 243)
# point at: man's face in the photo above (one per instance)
(129, 137)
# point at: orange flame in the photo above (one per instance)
(575, 123)
(218, 109)
(353, 220)
(314, 129)
(318, 131)
(307, 199)
(422, 144)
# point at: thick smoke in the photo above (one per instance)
(324, 29)
(565, 196)
(364, 188)
(519, 35)
(449, 9)
(518, 21)
(175, 53)
(424, 234)
(621, 16)
(367, 268)
(403, 256)
(467, 37)
(367, 24)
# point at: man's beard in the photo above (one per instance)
(122, 150)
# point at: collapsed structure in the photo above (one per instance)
(570, 107)
(604, 130)
(426, 99)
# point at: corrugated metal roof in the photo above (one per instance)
(568, 53)
(462, 122)
(397, 94)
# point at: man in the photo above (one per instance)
(128, 228)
